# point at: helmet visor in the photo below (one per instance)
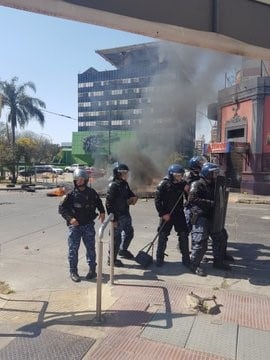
(123, 171)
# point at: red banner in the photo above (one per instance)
(219, 148)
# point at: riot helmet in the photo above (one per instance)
(209, 170)
(80, 173)
(196, 163)
(120, 169)
(175, 169)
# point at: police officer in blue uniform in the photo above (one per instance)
(169, 193)
(201, 200)
(118, 199)
(78, 208)
(195, 166)
(193, 174)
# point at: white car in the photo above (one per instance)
(72, 167)
(57, 171)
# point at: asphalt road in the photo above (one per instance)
(34, 247)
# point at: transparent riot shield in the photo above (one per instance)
(221, 202)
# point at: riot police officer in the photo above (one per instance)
(169, 205)
(193, 174)
(78, 208)
(195, 166)
(118, 199)
(201, 200)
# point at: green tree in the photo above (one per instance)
(43, 152)
(26, 149)
(21, 108)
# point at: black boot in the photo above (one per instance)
(75, 277)
(197, 270)
(159, 262)
(217, 264)
(117, 263)
(126, 254)
(161, 247)
(228, 257)
(91, 274)
(184, 248)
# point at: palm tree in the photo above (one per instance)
(22, 107)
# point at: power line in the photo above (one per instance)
(54, 113)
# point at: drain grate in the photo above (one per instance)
(48, 345)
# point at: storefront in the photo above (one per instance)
(231, 157)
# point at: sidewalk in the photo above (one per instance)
(145, 317)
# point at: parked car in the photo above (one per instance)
(27, 172)
(37, 169)
(58, 171)
(95, 172)
(72, 167)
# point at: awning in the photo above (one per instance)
(226, 147)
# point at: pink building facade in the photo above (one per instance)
(243, 146)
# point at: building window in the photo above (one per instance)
(97, 93)
(123, 102)
(126, 81)
(88, 84)
(235, 133)
(103, 123)
(120, 122)
(90, 123)
(117, 92)
(137, 111)
(85, 104)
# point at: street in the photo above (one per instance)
(34, 247)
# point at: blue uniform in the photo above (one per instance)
(81, 205)
(201, 203)
(117, 198)
(167, 194)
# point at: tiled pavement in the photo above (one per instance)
(142, 320)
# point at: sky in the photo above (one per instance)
(51, 52)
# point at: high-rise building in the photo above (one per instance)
(140, 98)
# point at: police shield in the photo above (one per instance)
(220, 206)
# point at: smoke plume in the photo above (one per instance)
(188, 77)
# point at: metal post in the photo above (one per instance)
(99, 266)
(112, 254)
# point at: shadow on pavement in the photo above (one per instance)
(252, 263)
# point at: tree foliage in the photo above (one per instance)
(21, 108)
